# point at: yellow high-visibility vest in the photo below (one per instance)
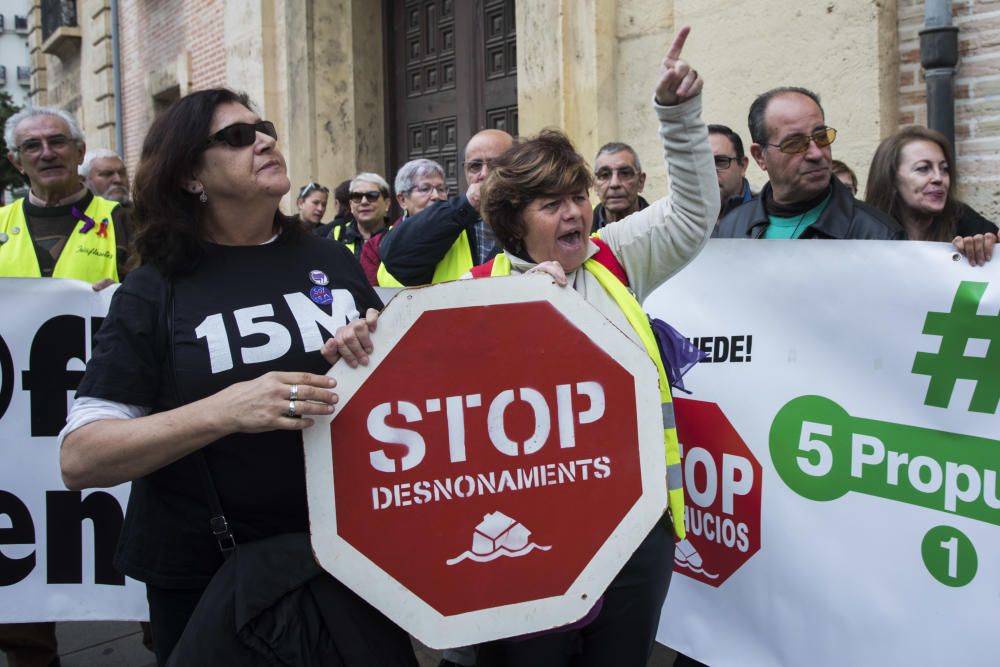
(90, 256)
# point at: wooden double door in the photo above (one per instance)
(452, 72)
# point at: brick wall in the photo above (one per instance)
(179, 42)
(977, 94)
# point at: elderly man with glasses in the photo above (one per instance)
(60, 229)
(618, 180)
(445, 240)
(791, 142)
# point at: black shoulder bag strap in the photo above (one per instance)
(217, 521)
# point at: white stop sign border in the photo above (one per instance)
(367, 579)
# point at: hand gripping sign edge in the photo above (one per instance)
(393, 597)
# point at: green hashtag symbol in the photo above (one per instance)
(951, 363)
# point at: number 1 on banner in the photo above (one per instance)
(949, 556)
(951, 546)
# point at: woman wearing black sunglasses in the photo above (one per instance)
(212, 360)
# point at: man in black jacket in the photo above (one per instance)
(445, 240)
(791, 142)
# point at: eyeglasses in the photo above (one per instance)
(427, 189)
(799, 143)
(476, 166)
(239, 135)
(370, 195)
(624, 173)
(722, 162)
(312, 187)
(33, 147)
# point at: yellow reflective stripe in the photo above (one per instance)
(17, 253)
(675, 478)
(386, 279)
(669, 421)
(501, 265)
(456, 262)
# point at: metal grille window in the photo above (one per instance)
(21, 23)
(3, 73)
(57, 14)
(23, 75)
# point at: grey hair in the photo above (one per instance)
(618, 147)
(370, 177)
(95, 154)
(31, 112)
(414, 170)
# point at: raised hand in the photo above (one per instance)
(678, 82)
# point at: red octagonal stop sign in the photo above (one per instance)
(493, 467)
(722, 490)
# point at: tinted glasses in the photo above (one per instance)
(799, 143)
(369, 195)
(239, 135)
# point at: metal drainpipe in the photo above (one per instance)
(116, 68)
(939, 57)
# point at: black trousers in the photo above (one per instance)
(169, 611)
(623, 632)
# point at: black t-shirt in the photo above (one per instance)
(244, 311)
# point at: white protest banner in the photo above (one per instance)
(841, 455)
(56, 546)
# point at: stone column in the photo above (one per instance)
(567, 56)
(330, 87)
(96, 67)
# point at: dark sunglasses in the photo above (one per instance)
(239, 135)
(799, 143)
(312, 187)
(370, 195)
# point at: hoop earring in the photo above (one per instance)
(203, 198)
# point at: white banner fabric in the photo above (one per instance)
(863, 378)
(56, 545)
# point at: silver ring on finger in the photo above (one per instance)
(291, 409)
(293, 393)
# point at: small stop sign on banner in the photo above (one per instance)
(722, 491)
(493, 467)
